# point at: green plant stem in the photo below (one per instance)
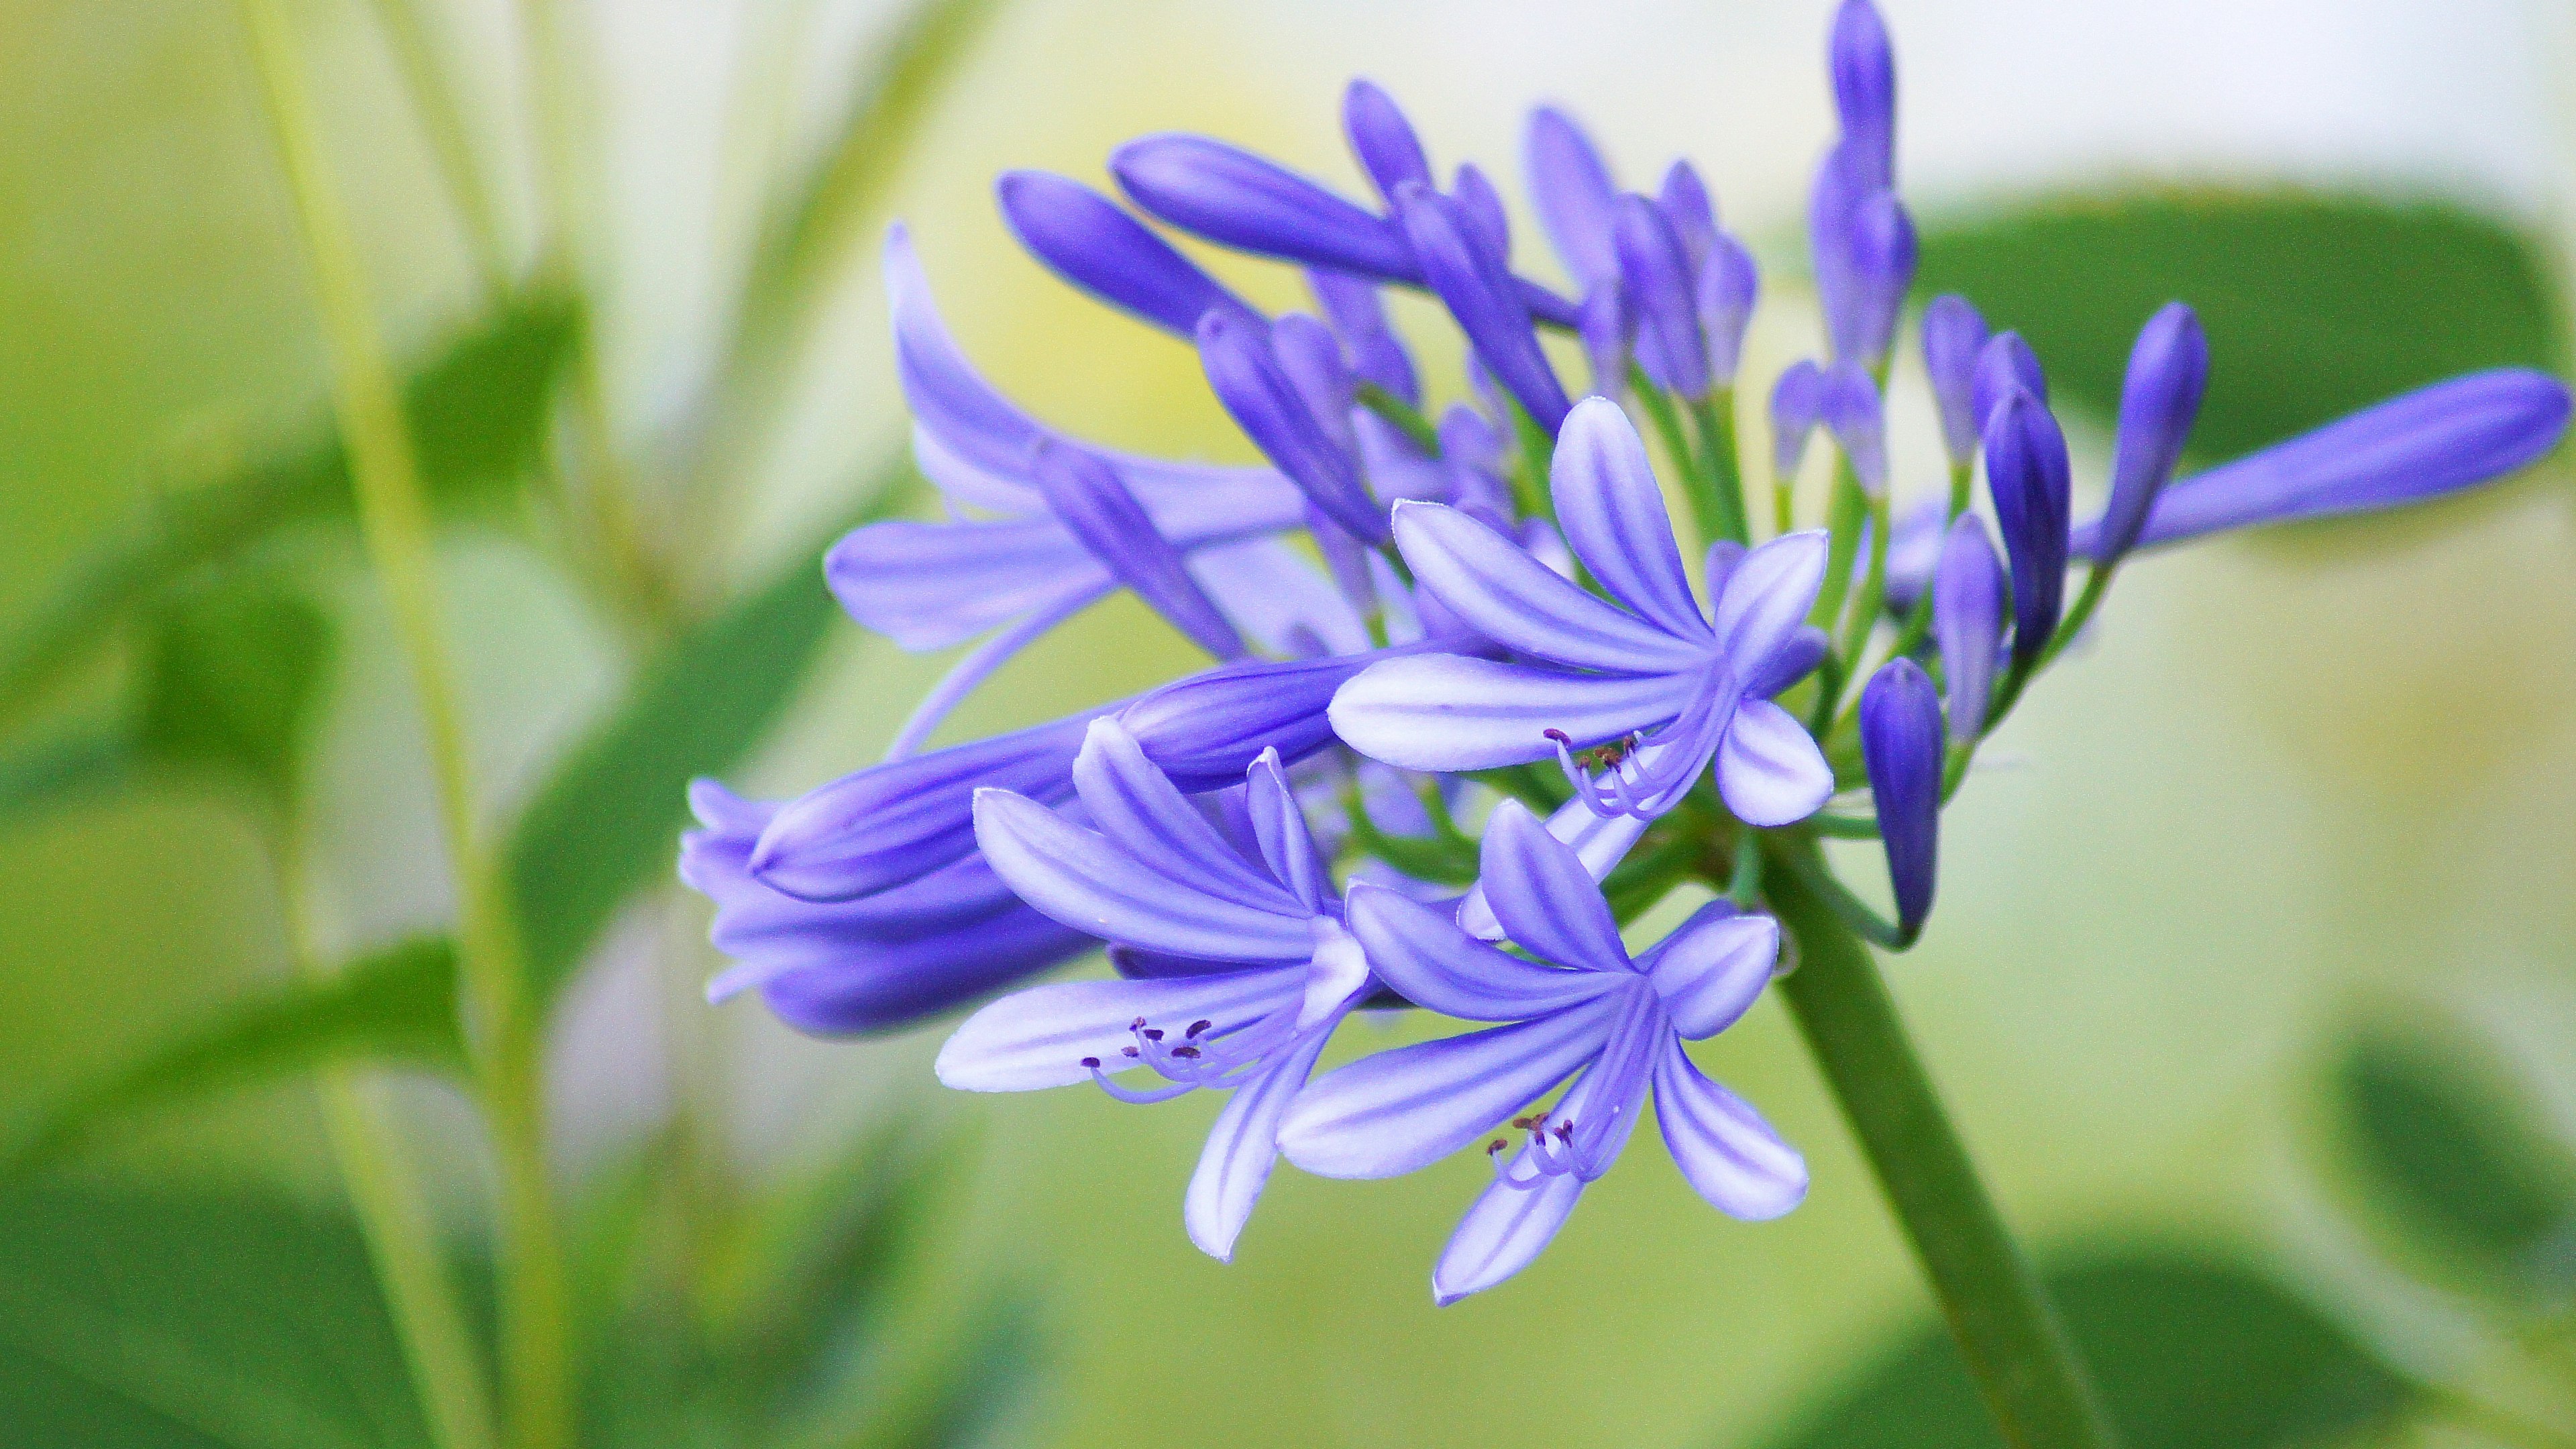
(1666, 420)
(1843, 517)
(2007, 1332)
(1403, 416)
(394, 523)
(1866, 604)
(1719, 475)
(451, 146)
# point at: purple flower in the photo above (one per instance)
(1648, 671)
(1231, 196)
(1797, 406)
(1863, 65)
(1382, 140)
(838, 969)
(1851, 412)
(1352, 305)
(1583, 1006)
(1086, 239)
(2004, 363)
(1902, 746)
(1605, 332)
(1865, 253)
(1244, 369)
(1685, 202)
(1968, 622)
(2421, 445)
(1247, 890)
(2168, 370)
(1470, 276)
(1729, 284)
(1655, 274)
(2026, 468)
(1094, 504)
(1576, 201)
(1953, 335)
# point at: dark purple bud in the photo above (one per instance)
(1655, 273)
(2004, 363)
(1901, 744)
(1685, 203)
(1233, 197)
(1571, 189)
(2168, 371)
(1085, 238)
(1265, 403)
(1094, 504)
(1471, 279)
(1382, 139)
(1206, 730)
(1953, 335)
(1604, 330)
(1968, 622)
(1864, 72)
(2026, 468)
(1797, 405)
(1355, 310)
(2435, 440)
(1729, 285)
(1850, 408)
(1482, 206)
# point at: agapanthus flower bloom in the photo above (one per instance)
(1581, 1007)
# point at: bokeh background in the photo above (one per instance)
(2253, 980)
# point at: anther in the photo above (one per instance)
(1153, 1033)
(1497, 1145)
(1196, 1027)
(1185, 1051)
(1092, 1063)
(1131, 1051)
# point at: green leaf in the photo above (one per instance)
(478, 408)
(2456, 1159)
(236, 668)
(2315, 304)
(148, 1320)
(398, 1005)
(609, 819)
(2188, 1351)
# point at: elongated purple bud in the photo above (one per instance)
(1968, 622)
(1471, 279)
(1085, 238)
(1094, 504)
(1482, 206)
(1204, 731)
(1729, 285)
(1953, 335)
(2026, 467)
(1265, 402)
(1685, 202)
(1571, 189)
(1850, 408)
(1655, 274)
(1382, 140)
(1359, 315)
(1864, 72)
(1865, 255)
(1312, 357)
(1797, 406)
(1901, 744)
(2168, 371)
(1604, 330)
(2440, 439)
(2004, 363)
(1233, 197)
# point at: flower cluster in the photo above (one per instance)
(1469, 685)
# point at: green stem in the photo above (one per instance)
(451, 146)
(2007, 1332)
(1865, 606)
(2097, 582)
(1667, 423)
(393, 518)
(1404, 416)
(1843, 517)
(1720, 477)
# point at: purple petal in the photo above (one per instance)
(1503, 1232)
(1422, 953)
(1273, 594)
(1901, 743)
(2026, 470)
(1612, 513)
(1038, 1038)
(933, 585)
(1800, 653)
(1388, 1114)
(1864, 71)
(1570, 186)
(1085, 238)
(2168, 371)
(1655, 274)
(1685, 202)
(1769, 771)
(1238, 199)
(1080, 878)
(1382, 140)
(1264, 401)
(1353, 306)
(1243, 1146)
(898, 821)
(1547, 903)
(2426, 443)
(1449, 712)
(1767, 597)
(1481, 207)
(1482, 295)
(1712, 967)
(1599, 841)
(1604, 330)
(1280, 825)
(1851, 412)
(1797, 406)
(1729, 285)
(2004, 363)
(1136, 807)
(1500, 591)
(1953, 334)
(1727, 1153)
(1968, 622)
(1097, 508)
(1206, 730)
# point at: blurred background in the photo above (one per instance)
(2253, 981)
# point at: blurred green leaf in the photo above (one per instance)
(2456, 1157)
(235, 670)
(398, 1005)
(478, 408)
(148, 1320)
(609, 819)
(2315, 304)
(978, 1394)
(2188, 1351)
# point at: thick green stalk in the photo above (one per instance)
(393, 518)
(2009, 1335)
(1720, 474)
